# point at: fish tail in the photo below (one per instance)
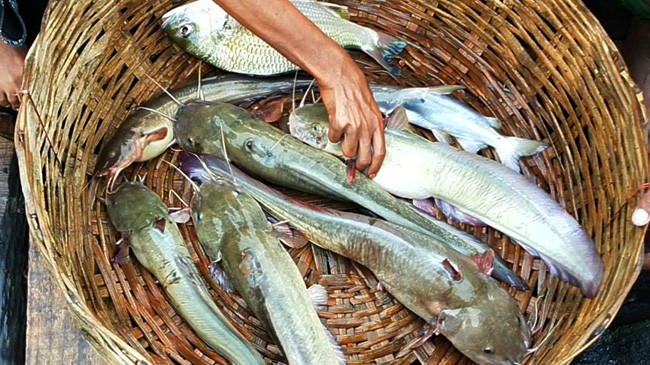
(385, 49)
(338, 351)
(514, 148)
(318, 295)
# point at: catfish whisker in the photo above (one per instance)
(156, 112)
(165, 90)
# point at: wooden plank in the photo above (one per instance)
(51, 336)
(13, 258)
(48, 335)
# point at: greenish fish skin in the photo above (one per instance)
(480, 187)
(130, 143)
(231, 225)
(140, 215)
(468, 311)
(268, 153)
(206, 31)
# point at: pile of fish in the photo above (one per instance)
(442, 274)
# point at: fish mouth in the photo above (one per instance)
(167, 17)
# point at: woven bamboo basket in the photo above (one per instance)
(546, 69)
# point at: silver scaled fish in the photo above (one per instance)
(207, 32)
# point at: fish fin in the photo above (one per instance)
(351, 169)
(288, 236)
(270, 112)
(425, 205)
(121, 254)
(157, 135)
(451, 269)
(397, 120)
(218, 275)
(494, 122)
(386, 48)
(445, 89)
(512, 148)
(245, 266)
(471, 146)
(433, 330)
(457, 215)
(338, 351)
(380, 287)
(485, 261)
(339, 10)
(502, 273)
(160, 224)
(441, 136)
(318, 295)
(181, 215)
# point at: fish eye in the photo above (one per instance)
(190, 140)
(186, 30)
(488, 350)
(316, 128)
(199, 217)
(249, 145)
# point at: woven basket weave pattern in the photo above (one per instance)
(545, 69)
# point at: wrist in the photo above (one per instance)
(332, 67)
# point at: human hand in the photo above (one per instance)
(354, 116)
(12, 60)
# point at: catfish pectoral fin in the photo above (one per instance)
(485, 261)
(121, 254)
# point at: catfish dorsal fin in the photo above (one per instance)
(397, 120)
(485, 261)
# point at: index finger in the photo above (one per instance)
(378, 152)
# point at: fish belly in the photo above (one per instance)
(404, 173)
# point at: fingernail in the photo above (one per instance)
(372, 176)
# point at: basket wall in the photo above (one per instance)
(544, 68)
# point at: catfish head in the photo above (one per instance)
(494, 334)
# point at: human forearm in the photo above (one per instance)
(293, 35)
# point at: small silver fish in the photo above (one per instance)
(434, 109)
(206, 31)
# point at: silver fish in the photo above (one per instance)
(206, 31)
(416, 168)
(434, 109)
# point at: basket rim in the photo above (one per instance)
(109, 345)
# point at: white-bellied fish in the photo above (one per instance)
(417, 168)
(434, 109)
